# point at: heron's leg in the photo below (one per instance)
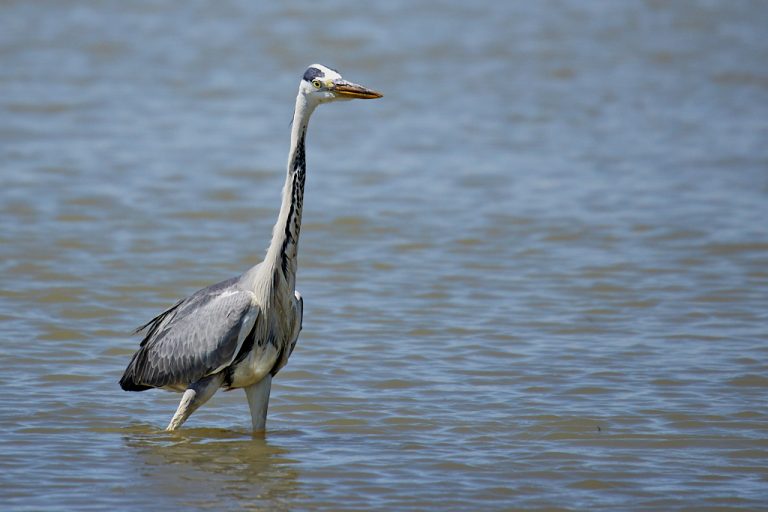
(195, 395)
(258, 401)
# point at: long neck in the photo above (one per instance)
(283, 249)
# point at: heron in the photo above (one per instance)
(239, 333)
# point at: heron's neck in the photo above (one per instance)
(283, 249)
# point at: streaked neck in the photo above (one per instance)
(283, 249)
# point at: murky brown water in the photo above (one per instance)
(535, 273)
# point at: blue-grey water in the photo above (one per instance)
(535, 273)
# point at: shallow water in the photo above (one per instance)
(535, 272)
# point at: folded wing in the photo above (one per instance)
(198, 336)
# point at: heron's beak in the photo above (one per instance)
(349, 90)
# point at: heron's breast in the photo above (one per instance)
(256, 365)
(272, 337)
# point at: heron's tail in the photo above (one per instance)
(128, 380)
(129, 385)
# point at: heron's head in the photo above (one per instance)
(321, 84)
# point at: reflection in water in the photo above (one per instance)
(214, 469)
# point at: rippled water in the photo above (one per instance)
(535, 272)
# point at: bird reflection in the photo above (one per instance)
(215, 468)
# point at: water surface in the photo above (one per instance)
(535, 272)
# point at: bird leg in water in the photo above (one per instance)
(195, 395)
(258, 401)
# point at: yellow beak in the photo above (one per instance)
(350, 90)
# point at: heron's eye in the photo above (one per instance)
(317, 83)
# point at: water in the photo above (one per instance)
(535, 272)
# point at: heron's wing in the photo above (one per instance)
(299, 305)
(198, 336)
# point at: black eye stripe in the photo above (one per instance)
(312, 73)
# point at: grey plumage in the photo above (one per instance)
(240, 332)
(198, 336)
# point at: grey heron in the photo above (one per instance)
(240, 332)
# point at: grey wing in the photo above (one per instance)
(199, 336)
(298, 319)
(299, 304)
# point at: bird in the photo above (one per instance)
(239, 333)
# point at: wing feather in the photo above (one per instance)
(198, 336)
